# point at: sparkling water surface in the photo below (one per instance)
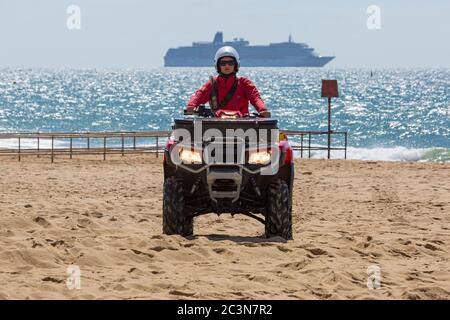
(390, 114)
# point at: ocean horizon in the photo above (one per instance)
(400, 114)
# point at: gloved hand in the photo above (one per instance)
(198, 110)
(265, 114)
(189, 110)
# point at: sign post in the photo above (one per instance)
(329, 90)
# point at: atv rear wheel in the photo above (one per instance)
(279, 211)
(176, 218)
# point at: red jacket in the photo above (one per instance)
(245, 92)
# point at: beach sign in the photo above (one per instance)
(330, 89)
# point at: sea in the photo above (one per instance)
(389, 114)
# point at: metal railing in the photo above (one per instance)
(309, 147)
(85, 145)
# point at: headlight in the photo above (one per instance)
(262, 157)
(188, 156)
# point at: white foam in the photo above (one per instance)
(375, 154)
(46, 143)
(387, 154)
(30, 143)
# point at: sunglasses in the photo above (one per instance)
(223, 63)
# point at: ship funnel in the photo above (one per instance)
(218, 38)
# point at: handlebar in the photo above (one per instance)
(203, 111)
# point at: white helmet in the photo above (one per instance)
(226, 51)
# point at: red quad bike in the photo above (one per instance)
(256, 182)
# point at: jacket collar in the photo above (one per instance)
(228, 76)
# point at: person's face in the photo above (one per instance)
(226, 65)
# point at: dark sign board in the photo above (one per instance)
(329, 88)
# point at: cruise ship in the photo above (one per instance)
(283, 54)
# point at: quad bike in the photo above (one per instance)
(255, 181)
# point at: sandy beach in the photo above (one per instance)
(106, 217)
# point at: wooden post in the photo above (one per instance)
(301, 146)
(329, 126)
(122, 144)
(134, 142)
(53, 143)
(345, 146)
(19, 149)
(38, 145)
(157, 146)
(70, 147)
(309, 146)
(104, 148)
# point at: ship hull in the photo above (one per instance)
(287, 62)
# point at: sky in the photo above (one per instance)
(137, 33)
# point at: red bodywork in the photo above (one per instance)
(286, 147)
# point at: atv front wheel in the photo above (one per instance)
(176, 218)
(279, 211)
